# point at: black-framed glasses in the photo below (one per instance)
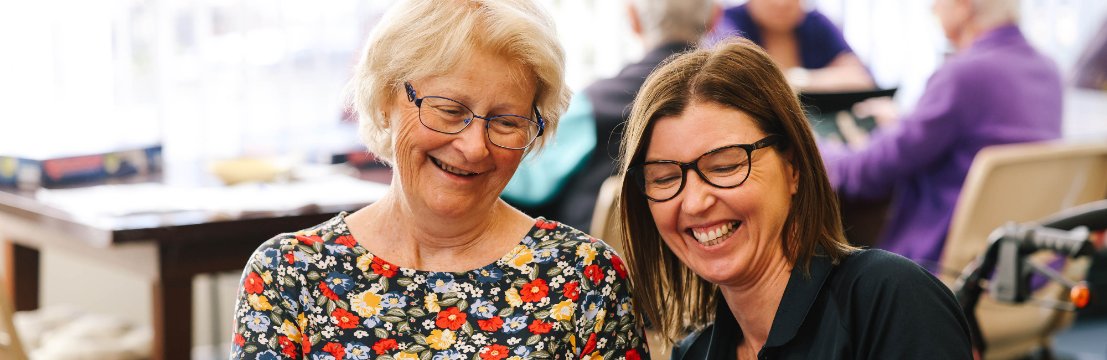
(725, 167)
(449, 116)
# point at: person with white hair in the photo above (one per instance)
(996, 89)
(562, 182)
(452, 95)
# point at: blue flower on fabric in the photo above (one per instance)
(371, 322)
(489, 274)
(523, 352)
(301, 260)
(339, 283)
(546, 255)
(322, 356)
(393, 301)
(256, 321)
(355, 351)
(441, 282)
(448, 355)
(336, 249)
(268, 355)
(269, 258)
(515, 324)
(483, 308)
(592, 304)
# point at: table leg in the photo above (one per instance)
(23, 275)
(173, 318)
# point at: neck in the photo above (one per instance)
(754, 306)
(416, 238)
(973, 31)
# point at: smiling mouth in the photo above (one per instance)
(715, 235)
(451, 169)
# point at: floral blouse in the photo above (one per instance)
(316, 294)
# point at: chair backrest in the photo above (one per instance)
(10, 346)
(605, 220)
(1021, 183)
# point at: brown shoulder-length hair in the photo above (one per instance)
(738, 74)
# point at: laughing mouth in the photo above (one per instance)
(715, 235)
(451, 169)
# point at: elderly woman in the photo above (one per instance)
(451, 94)
(731, 222)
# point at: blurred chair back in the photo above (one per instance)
(1022, 182)
(10, 346)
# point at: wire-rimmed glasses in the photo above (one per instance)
(725, 167)
(449, 116)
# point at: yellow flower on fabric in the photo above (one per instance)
(522, 256)
(291, 331)
(364, 261)
(515, 358)
(595, 355)
(573, 342)
(267, 277)
(599, 320)
(563, 310)
(404, 355)
(430, 302)
(366, 303)
(301, 320)
(441, 339)
(587, 252)
(259, 302)
(512, 297)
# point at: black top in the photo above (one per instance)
(611, 99)
(873, 305)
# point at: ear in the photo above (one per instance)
(632, 15)
(793, 170)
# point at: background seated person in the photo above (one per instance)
(996, 89)
(804, 43)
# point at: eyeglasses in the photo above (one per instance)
(448, 116)
(725, 167)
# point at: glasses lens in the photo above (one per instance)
(727, 167)
(660, 180)
(444, 115)
(512, 131)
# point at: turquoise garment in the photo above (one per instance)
(541, 175)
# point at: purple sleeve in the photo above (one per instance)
(920, 139)
(820, 41)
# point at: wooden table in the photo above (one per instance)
(168, 248)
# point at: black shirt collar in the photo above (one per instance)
(799, 296)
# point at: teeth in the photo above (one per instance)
(713, 236)
(451, 169)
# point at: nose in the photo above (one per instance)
(473, 141)
(698, 195)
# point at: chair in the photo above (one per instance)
(10, 346)
(1022, 182)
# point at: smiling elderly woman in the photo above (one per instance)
(739, 229)
(451, 94)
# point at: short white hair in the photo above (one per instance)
(673, 20)
(421, 38)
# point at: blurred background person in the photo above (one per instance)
(802, 41)
(730, 222)
(440, 265)
(996, 89)
(562, 181)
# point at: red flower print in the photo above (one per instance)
(288, 348)
(571, 290)
(593, 272)
(253, 283)
(534, 291)
(492, 325)
(308, 240)
(239, 340)
(545, 224)
(345, 319)
(346, 240)
(383, 268)
(493, 352)
(327, 291)
(384, 345)
(632, 354)
(590, 346)
(290, 257)
(539, 327)
(617, 263)
(451, 318)
(336, 350)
